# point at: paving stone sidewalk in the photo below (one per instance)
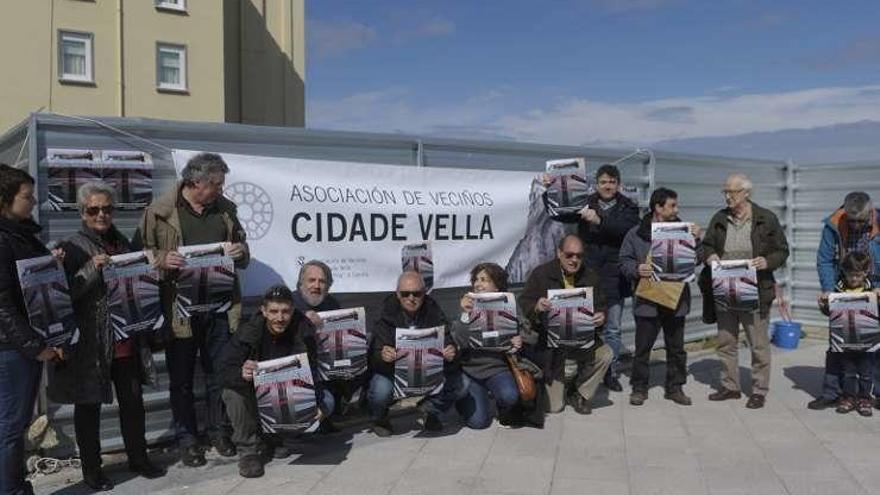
(659, 448)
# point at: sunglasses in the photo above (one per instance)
(93, 211)
(411, 293)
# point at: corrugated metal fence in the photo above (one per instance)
(697, 179)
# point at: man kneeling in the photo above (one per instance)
(276, 331)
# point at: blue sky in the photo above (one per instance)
(591, 71)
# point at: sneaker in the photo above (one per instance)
(678, 397)
(192, 456)
(846, 405)
(250, 466)
(755, 401)
(223, 446)
(725, 394)
(638, 397)
(612, 383)
(865, 407)
(382, 428)
(821, 404)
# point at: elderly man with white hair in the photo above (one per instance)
(743, 230)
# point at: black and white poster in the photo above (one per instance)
(206, 283)
(286, 397)
(133, 295)
(570, 321)
(854, 322)
(342, 344)
(493, 321)
(418, 258)
(567, 186)
(47, 297)
(418, 369)
(130, 173)
(673, 251)
(735, 285)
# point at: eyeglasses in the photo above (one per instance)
(93, 211)
(572, 255)
(731, 192)
(411, 293)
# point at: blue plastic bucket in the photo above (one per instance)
(786, 334)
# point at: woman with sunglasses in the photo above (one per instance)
(487, 370)
(22, 350)
(101, 357)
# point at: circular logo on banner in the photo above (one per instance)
(255, 211)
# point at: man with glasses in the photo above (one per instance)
(567, 271)
(195, 212)
(743, 230)
(854, 227)
(602, 225)
(409, 307)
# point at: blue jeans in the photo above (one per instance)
(832, 382)
(611, 334)
(476, 410)
(19, 380)
(381, 395)
(858, 373)
(210, 334)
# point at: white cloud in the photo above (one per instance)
(584, 121)
(334, 38)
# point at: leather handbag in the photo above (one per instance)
(525, 382)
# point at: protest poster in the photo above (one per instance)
(673, 251)
(342, 344)
(129, 173)
(735, 285)
(67, 170)
(854, 322)
(567, 186)
(205, 284)
(570, 320)
(47, 299)
(286, 397)
(133, 295)
(418, 369)
(493, 320)
(418, 258)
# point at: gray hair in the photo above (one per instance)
(743, 179)
(857, 205)
(319, 264)
(90, 189)
(204, 166)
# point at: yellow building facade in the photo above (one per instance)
(196, 60)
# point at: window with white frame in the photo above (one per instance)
(171, 4)
(171, 67)
(75, 57)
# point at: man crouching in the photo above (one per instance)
(276, 331)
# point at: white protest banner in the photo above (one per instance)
(356, 217)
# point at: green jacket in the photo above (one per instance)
(768, 240)
(160, 232)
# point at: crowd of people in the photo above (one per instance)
(609, 253)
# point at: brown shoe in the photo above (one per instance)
(638, 397)
(725, 394)
(755, 401)
(678, 397)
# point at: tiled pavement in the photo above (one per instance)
(711, 448)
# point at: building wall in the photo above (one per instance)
(245, 60)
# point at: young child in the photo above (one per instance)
(857, 366)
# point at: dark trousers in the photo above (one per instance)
(210, 334)
(647, 330)
(125, 374)
(19, 380)
(858, 373)
(832, 382)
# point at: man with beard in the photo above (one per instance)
(649, 315)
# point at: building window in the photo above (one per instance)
(170, 67)
(178, 5)
(75, 57)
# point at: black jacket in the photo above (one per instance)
(602, 242)
(247, 343)
(549, 276)
(768, 240)
(18, 241)
(391, 317)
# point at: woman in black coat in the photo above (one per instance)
(22, 349)
(101, 358)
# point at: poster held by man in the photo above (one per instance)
(570, 320)
(285, 391)
(418, 369)
(206, 283)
